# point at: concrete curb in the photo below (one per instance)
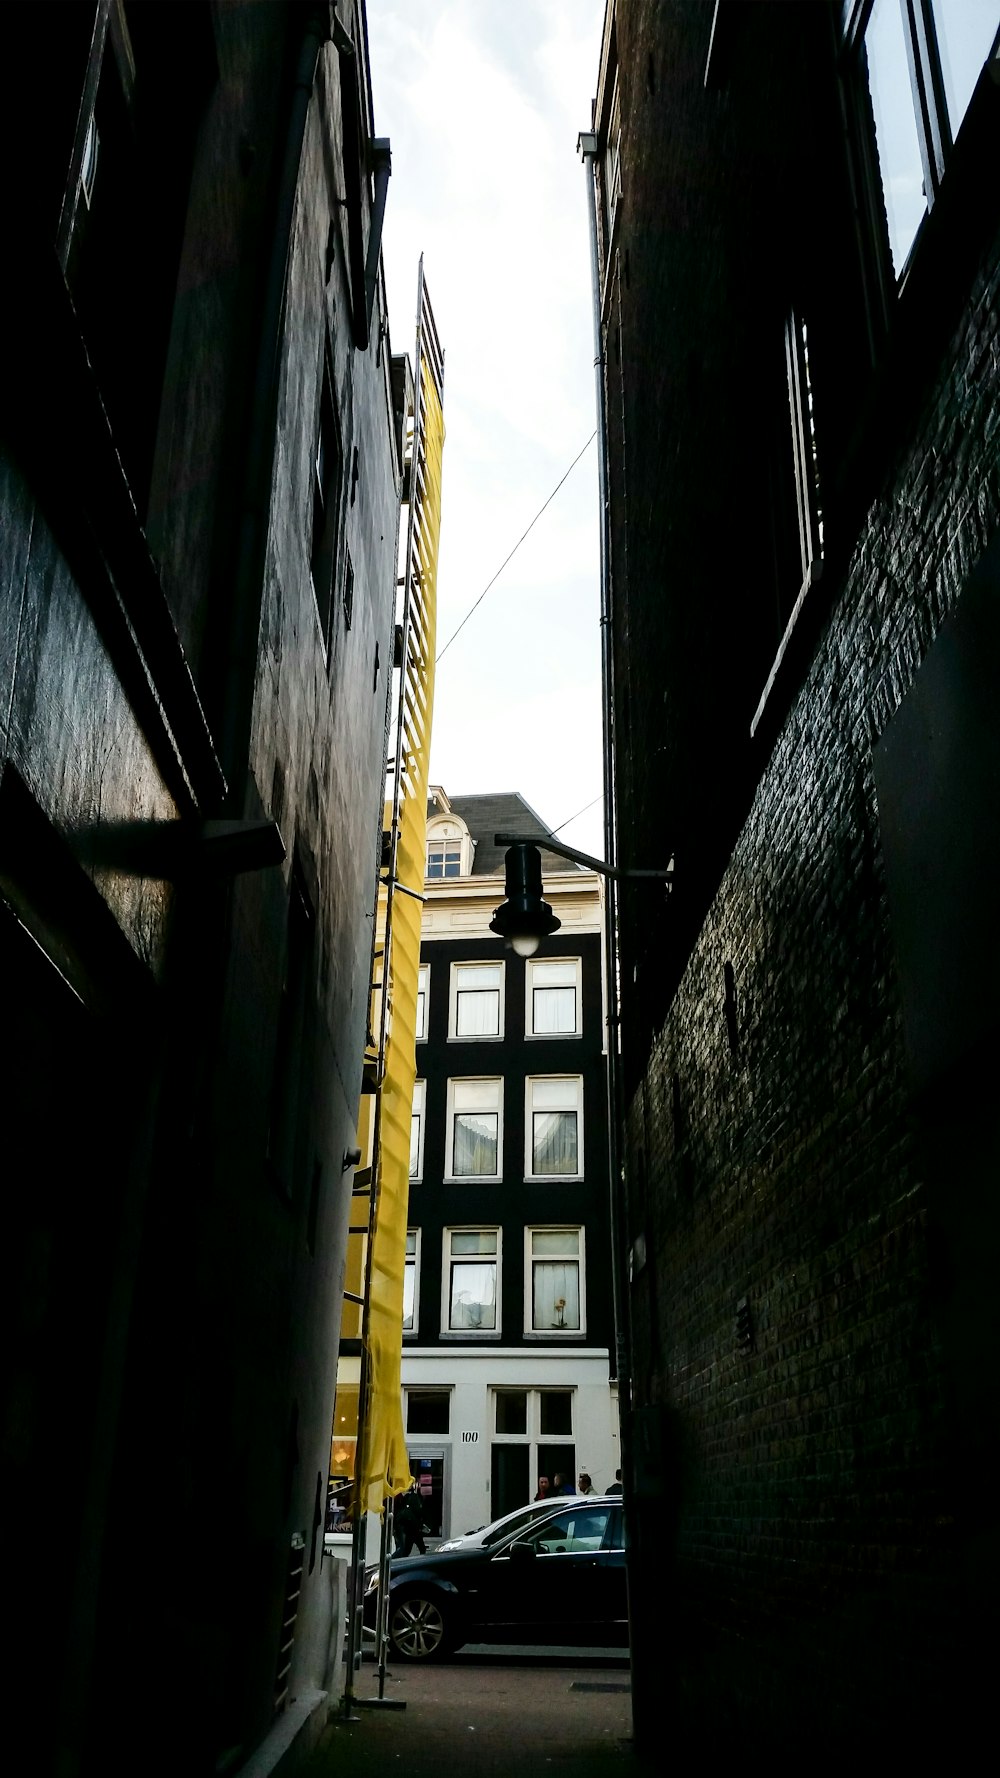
(292, 1739)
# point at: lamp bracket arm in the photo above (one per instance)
(584, 858)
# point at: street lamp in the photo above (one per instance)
(524, 917)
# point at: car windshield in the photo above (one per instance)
(504, 1527)
(578, 1528)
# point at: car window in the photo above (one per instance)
(506, 1526)
(580, 1528)
(616, 1534)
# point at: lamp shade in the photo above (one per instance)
(524, 918)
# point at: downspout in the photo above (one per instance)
(618, 1233)
(241, 639)
(588, 149)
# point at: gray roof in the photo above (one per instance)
(502, 811)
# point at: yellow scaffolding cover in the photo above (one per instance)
(384, 1466)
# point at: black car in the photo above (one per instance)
(561, 1581)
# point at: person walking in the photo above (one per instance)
(544, 1491)
(584, 1484)
(561, 1484)
(616, 1486)
(408, 1524)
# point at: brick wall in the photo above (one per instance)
(787, 1313)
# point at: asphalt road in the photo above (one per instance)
(502, 1713)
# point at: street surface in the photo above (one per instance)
(492, 1711)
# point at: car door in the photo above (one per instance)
(610, 1595)
(548, 1585)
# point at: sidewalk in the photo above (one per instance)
(535, 1714)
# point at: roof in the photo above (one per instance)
(501, 811)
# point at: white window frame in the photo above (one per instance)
(419, 1110)
(423, 988)
(574, 963)
(491, 1080)
(574, 1096)
(412, 1262)
(455, 988)
(470, 1333)
(579, 1258)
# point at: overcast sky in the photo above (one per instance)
(482, 101)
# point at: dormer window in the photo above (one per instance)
(449, 848)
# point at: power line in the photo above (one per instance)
(599, 798)
(517, 546)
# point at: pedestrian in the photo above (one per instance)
(561, 1484)
(408, 1523)
(584, 1484)
(544, 1492)
(616, 1485)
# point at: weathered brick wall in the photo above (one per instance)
(818, 1497)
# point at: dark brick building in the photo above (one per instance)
(800, 280)
(199, 496)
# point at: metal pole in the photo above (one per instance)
(618, 1206)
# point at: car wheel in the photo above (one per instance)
(419, 1629)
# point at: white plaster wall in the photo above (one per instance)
(471, 1377)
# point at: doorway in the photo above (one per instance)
(428, 1469)
(510, 1478)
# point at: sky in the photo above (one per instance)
(482, 101)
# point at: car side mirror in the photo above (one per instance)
(522, 1552)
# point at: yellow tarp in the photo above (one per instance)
(384, 1466)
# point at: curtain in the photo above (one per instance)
(556, 1294)
(554, 1148)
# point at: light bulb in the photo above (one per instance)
(526, 943)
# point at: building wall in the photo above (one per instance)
(194, 1035)
(806, 1170)
(456, 929)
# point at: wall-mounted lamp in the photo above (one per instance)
(524, 917)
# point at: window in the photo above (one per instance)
(472, 1257)
(920, 61)
(555, 1413)
(611, 166)
(533, 1447)
(444, 858)
(476, 1000)
(428, 1410)
(417, 1130)
(554, 1138)
(326, 504)
(474, 1128)
(800, 405)
(450, 846)
(512, 1410)
(553, 1284)
(554, 999)
(423, 995)
(411, 1277)
(579, 1528)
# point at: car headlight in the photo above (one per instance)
(452, 1544)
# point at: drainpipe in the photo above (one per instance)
(588, 149)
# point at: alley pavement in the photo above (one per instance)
(530, 1712)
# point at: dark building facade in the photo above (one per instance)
(508, 1330)
(199, 496)
(799, 269)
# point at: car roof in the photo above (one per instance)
(470, 1551)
